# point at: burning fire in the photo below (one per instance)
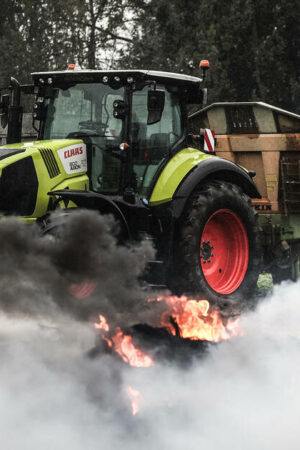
(123, 345)
(135, 397)
(130, 354)
(192, 319)
(183, 317)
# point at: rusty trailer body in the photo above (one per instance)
(264, 139)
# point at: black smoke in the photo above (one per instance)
(37, 270)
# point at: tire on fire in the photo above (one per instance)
(218, 254)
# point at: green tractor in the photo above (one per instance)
(119, 142)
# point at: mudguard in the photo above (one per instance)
(214, 168)
(93, 200)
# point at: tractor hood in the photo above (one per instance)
(30, 170)
(66, 156)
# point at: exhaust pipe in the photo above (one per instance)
(15, 114)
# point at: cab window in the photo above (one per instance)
(151, 144)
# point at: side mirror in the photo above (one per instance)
(155, 105)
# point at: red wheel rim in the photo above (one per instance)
(224, 251)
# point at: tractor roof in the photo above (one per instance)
(97, 76)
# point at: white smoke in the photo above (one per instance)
(245, 394)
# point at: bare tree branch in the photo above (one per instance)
(115, 36)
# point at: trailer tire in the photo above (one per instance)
(219, 252)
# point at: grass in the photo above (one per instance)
(264, 283)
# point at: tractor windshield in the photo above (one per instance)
(85, 111)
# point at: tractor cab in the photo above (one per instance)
(131, 122)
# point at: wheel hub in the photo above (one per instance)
(206, 252)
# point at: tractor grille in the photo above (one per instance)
(50, 162)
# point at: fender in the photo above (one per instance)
(212, 169)
(96, 201)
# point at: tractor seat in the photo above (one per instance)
(158, 146)
(159, 140)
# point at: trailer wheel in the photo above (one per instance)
(219, 253)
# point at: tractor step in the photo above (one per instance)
(154, 274)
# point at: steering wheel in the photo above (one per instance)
(85, 136)
(79, 134)
(93, 125)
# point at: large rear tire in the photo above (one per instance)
(218, 254)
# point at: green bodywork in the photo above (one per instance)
(174, 172)
(167, 183)
(45, 182)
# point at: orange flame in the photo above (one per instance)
(188, 318)
(194, 321)
(102, 325)
(123, 345)
(130, 354)
(135, 397)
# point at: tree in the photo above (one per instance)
(101, 24)
(278, 53)
(253, 46)
(40, 35)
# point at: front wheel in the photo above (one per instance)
(219, 254)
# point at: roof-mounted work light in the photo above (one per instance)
(204, 65)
